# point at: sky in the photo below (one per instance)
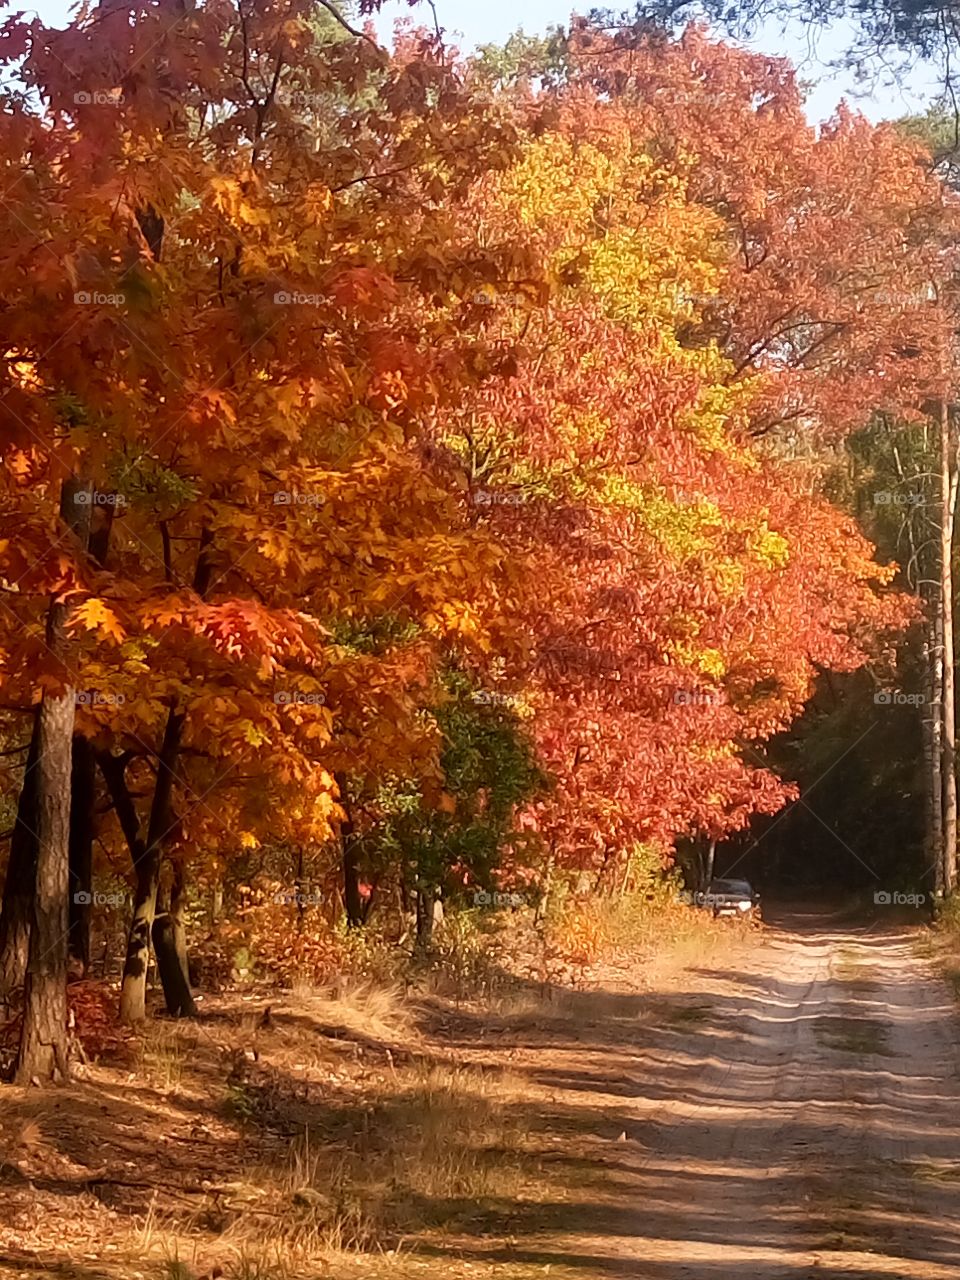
(486, 21)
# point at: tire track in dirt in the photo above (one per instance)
(810, 1128)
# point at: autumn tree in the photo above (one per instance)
(205, 326)
(708, 309)
(340, 387)
(459, 847)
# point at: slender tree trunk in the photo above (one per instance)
(133, 991)
(933, 745)
(169, 938)
(166, 931)
(352, 897)
(114, 770)
(82, 796)
(43, 1039)
(625, 878)
(18, 888)
(610, 857)
(426, 915)
(17, 908)
(178, 905)
(83, 790)
(350, 861)
(932, 730)
(711, 855)
(948, 489)
(424, 920)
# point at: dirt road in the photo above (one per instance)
(794, 1115)
(783, 1107)
(809, 1127)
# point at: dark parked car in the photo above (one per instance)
(730, 898)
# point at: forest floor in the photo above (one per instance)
(774, 1105)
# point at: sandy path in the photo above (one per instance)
(810, 1127)
(794, 1115)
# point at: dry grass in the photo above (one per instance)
(361, 1132)
(436, 1138)
(707, 944)
(391, 1142)
(21, 1139)
(357, 1007)
(669, 937)
(164, 1049)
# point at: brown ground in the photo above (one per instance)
(785, 1106)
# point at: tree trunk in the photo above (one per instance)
(43, 1041)
(350, 861)
(133, 991)
(43, 1038)
(352, 897)
(82, 796)
(166, 928)
(426, 915)
(169, 938)
(178, 902)
(933, 743)
(711, 856)
(18, 888)
(83, 790)
(948, 490)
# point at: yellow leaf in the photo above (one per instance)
(96, 615)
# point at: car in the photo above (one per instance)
(730, 898)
